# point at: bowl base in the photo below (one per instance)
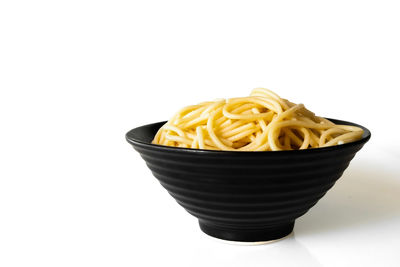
(258, 235)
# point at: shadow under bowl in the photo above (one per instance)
(245, 196)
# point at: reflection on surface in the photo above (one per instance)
(286, 252)
(363, 197)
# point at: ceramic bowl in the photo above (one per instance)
(245, 196)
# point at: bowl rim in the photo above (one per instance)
(130, 137)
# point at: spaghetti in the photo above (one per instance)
(261, 122)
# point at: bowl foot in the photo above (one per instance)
(247, 235)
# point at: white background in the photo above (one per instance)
(75, 76)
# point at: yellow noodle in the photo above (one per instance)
(199, 132)
(261, 122)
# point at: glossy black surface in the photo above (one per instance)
(245, 196)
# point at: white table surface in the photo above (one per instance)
(357, 223)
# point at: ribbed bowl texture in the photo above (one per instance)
(245, 196)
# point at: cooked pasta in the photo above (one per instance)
(261, 122)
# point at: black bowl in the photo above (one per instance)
(245, 196)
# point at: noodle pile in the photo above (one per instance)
(261, 122)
